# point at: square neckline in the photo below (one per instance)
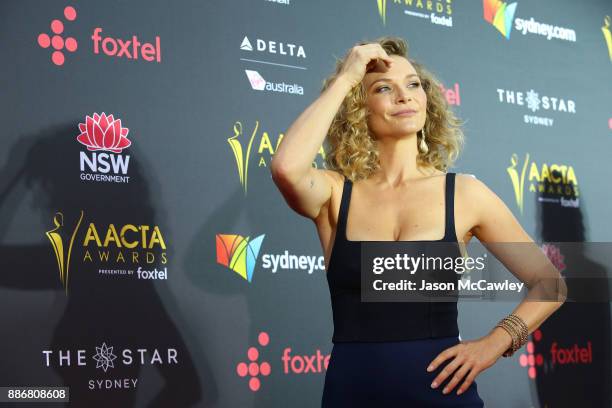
(446, 218)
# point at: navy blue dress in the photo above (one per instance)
(381, 349)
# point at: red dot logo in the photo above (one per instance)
(56, 41)
(531, 360)
(252, 368)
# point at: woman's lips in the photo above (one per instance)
(405, 113)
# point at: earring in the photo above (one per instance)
(422, 144)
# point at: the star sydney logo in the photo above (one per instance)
(238, 253)
(104, 357)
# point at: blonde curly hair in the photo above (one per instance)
(353, 151)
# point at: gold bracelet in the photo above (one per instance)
(513, 335)
(524, 330)
(518, 331)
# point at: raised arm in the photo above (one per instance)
(305, 188)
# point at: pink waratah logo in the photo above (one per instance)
(56, 41)
(555, 256)
(105, 133)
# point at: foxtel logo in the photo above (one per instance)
(258, 83)
(132, 48)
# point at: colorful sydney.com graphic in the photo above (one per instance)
(238, 253)
(500, 15)
(105, 133)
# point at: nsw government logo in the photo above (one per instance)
(105, 139)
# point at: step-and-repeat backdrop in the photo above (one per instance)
(147, 259)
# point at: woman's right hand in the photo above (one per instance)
(362, 59)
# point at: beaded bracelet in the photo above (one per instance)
(518, 331)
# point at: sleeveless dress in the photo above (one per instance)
(381, 349)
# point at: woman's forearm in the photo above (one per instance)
(533, 313)
(305, 136)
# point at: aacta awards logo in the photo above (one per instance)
(439, 12)
(112, 47)
(242, 150)
(607, 35)
(293, 364)
(62, 242)
(106, 358)
(101, 134)
(238, 253)
(555, 183)
(131, 251)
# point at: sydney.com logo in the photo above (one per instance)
(501, 16)
(240, 254)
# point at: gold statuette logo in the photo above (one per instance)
(58, 237)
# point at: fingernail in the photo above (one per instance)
(430, 368)
(434, 384)
(459, 392)
(444, 391)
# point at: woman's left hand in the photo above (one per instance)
(471, 357)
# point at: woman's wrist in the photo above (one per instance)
(343, 82)
(501, 339)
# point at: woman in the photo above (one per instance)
(392, 139)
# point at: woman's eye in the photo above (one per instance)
(417, 84)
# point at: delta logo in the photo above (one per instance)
(558, 355)
(438, 12)
(273, 47)
(292, 364)
(535, 102)
(122, 251)
(239, 254)
(554, 183)
(501, 16)
(262, 145)
(105, 139)
(131, 49)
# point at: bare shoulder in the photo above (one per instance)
(492, 220)
(334, 175)
(470, 186)
(474, 197)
